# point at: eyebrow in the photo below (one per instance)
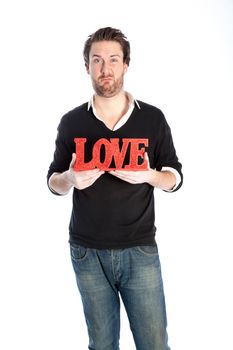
(114, 55)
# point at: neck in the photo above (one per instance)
(115, 104)
(111, 109)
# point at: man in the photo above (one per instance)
(113, 152)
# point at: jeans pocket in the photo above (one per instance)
(148, 250)
(77, 252)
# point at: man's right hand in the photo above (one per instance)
(84, 178)
(62, 182)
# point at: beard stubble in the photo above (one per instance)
(108, 88)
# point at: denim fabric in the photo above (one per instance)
(135, 275)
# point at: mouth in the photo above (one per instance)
(106, 78)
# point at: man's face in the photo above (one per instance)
(106, 68)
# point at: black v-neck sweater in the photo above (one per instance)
(112, 213)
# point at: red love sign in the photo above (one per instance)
(112, 152)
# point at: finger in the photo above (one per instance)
(121, 172)
(86, 176)
(89, 172)
(123, 176)
(89, 181)
(73, 160)
(146, 158)
(95, 175)
(92, 171)
(116, 173)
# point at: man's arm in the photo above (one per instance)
(61, 183)
(164, 180)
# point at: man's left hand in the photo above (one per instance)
(164, 180)
(138, 176)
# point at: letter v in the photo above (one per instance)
(118, 155)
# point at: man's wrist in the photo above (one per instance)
(164, 180)
(61, 182)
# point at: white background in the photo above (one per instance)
(182, 56)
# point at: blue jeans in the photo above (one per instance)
(135, 275)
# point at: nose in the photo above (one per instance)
(104, 68)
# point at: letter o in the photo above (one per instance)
(108, 154)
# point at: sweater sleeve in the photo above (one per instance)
(62, 154)
(165, 153)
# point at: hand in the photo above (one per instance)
(136, 177)
(82, 179)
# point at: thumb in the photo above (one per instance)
(146, 159)
(73, 160)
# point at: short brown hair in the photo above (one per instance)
(108, 34)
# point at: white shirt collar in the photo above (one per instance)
(130, 97)
(124, 118)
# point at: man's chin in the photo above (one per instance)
(106, 92)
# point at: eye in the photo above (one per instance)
(97, 60)
(114, 60)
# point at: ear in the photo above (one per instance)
(87, 68)
(125, 68)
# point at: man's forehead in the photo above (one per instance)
(106, 48)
